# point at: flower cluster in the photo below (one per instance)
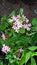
(5, 49)
(3, 36)
(19, 22)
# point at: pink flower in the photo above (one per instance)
(17, 25)
(5, 48)
(3, 37)
(18, 16)
(29, 24)
(23, 16)
(14, 18)
(26, 27)
(15, 28)
(27, 20)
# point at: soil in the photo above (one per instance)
(6, 6)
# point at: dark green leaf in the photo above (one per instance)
(4, 19)
(22, 30)
(34, 21)
(1, 42)
(34, 39)
(34, 28)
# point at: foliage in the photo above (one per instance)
(22, 39)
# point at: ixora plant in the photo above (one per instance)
(18, 39)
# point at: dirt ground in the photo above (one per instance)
(6, 7)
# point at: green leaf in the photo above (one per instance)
(1, 42)
(34, 21)
(32, 48)
(11, 60)
(4, 23)
(34, 39)
(22, 30)
(2, 27)
(4, 19)
(31, 34)
(1, 62)
(34, 54)
(12, 14)
(8, 56)
(33, 62)
(21, 11)
(28, 55)
(22, 61)
(12, 30)
(23, 41)
(22, 19)
(25, 58)
(34, 28)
